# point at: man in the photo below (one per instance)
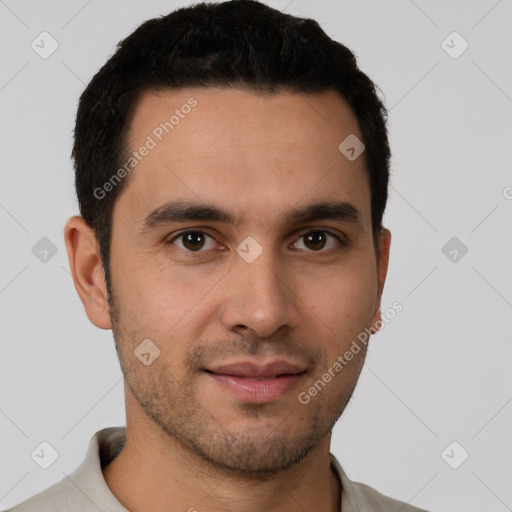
(231, 166)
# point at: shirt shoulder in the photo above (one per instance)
(382, 503)
(59, 497)
(85, 489)
(359, 497)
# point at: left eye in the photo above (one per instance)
(194, 241)
(319, 237)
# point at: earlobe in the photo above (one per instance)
(87, 271)
(382, 269)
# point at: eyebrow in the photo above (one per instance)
(179, 211)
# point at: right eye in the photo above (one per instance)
(192, 241)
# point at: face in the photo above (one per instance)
(220, 257)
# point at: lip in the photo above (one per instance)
(255, 383)
(251, 369)
(257, 390)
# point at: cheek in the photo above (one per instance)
(342, 304)
(149, 304)
(169, 309)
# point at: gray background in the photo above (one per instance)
(438, 373)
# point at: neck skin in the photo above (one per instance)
(154, 472)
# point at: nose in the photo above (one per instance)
(260, 296)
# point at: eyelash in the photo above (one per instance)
(341, 242)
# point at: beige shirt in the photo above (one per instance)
(85, 490)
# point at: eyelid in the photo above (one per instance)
(338, 234)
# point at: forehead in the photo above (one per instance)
(231, 145)
(324, 116)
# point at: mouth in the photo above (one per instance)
(254, 378)
(250, 369)
(254, 383)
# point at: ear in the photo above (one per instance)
(87, 271)
(384, 243)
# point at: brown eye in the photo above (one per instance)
(192, 241)
(317, 239)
